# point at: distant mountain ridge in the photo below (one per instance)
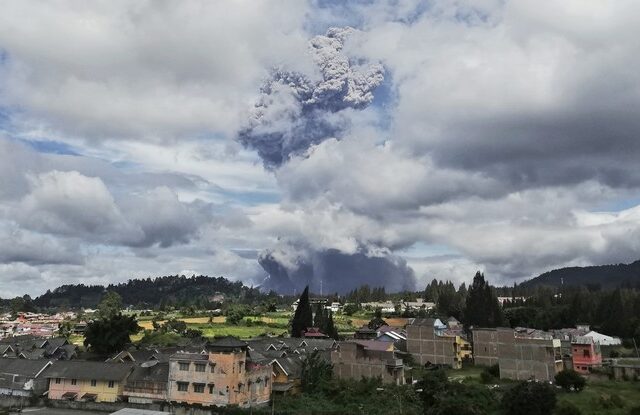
(604, 276)
(174, 290)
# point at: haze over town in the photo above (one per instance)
(289, 142)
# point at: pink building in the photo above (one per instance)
(585, 353)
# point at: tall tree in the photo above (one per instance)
(303, 317)
(106, 336)
(482, 308)
(110, 305)
(319, 318)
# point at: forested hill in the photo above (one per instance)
(603, 276)
(150, 292)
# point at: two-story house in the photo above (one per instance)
(76, 380)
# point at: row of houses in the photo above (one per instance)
(222, 373)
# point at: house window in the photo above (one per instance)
(586, 353)
(200, 367)
(198, 387)
(211, 385)
(184, 366)
(74, 382)
(213, 367)
(240, 367)
(93, 383)
(111, 384)
(183, 386)
(57, 381)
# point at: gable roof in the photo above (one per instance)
(77, 369)
(23, 367)
(150, 371)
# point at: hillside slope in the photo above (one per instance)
(605, 276)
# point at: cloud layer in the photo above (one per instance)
(284, 143)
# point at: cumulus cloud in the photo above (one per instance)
(295, 112)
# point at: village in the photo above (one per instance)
(41, 365)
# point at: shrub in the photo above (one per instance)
(634, 411)
(529, 398)
(610, 401)
(490, 374)
(567, 408)
(570, 380)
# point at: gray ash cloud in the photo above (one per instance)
(295, 112)
(291, 268)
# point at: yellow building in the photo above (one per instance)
(76, 380)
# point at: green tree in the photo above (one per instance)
(319, 317)
(110, 306)
(482, 308)
(315, 373)
(377, 321)
(106, 336)
(236, 313)
(570, 380)
(65, 329)
(529, 398)
(303, 317)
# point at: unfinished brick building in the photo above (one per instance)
(428, 346)
(368, 359)
(521, 355)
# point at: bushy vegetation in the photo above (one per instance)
(529, 398)
(570, 380)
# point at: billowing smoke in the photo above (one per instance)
(291, 268)
(294, 112)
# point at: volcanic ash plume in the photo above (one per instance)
(291, 268)
(295, 112)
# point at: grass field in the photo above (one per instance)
(595, 399)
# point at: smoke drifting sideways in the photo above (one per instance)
(334, 271)
(294, 112)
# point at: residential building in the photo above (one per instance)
(22, 377)
(585, 353)
(520, 354)
(603, 339)
(417, 305)
(35, 347)
(369, 359)
(430, 345)
(148, 383)
(76, 380)
(222, 375)
(287, 375)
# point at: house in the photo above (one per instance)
(20, 377)
(521, 354)
(603, 339)
(334, 307)
(287, 375)
(417, 305)
(365, 333)
(35, 347)
(315, 332)
(585, 354)
(430, 345)
(223, 374)
(148, 383)
(385, 307)
(87, 381)
(369, 359)
(133, 411)
(389, 334)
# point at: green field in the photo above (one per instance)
(595, 399)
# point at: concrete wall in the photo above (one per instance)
(349, 363)
(518, 358)
(485, 347)
(427, 347)
(234, 381)
(102, 390)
